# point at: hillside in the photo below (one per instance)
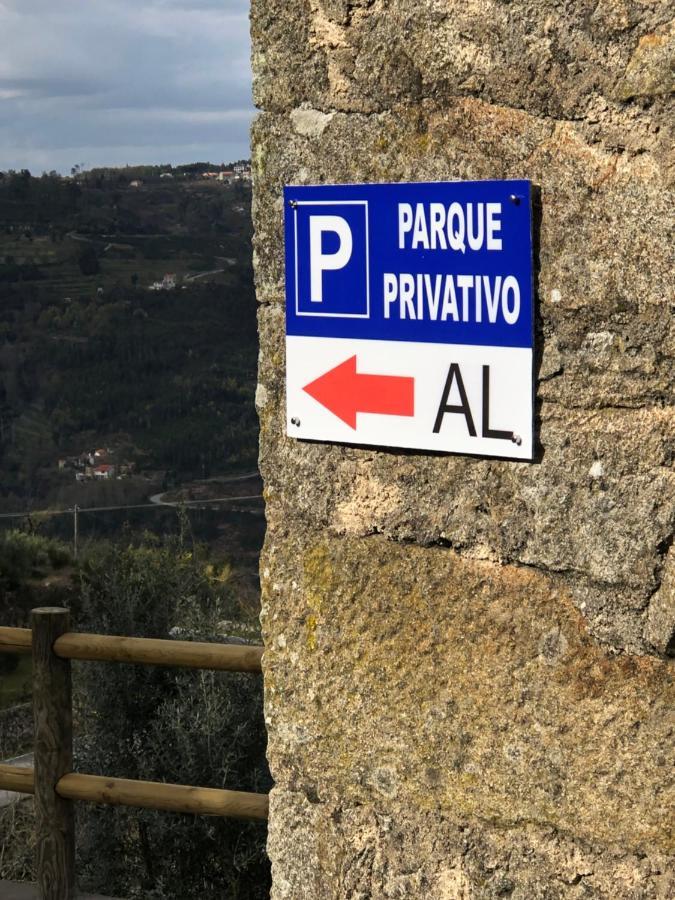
(127, 325)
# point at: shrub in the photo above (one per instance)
(17, 841)
(24, 555)
(9, 663)
(200, 728)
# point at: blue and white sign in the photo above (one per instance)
(409, 315)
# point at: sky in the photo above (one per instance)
(116, 82)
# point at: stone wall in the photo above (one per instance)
(469, 664)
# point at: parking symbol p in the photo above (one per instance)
(320, 262)
(331, 259)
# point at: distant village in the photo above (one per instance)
(240, 172)
(171, 281)
(96, 465)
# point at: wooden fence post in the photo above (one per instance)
(53, 747)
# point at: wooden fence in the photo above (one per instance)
(52, 781)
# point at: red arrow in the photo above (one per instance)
(345, 393)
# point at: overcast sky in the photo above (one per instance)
(110, 82)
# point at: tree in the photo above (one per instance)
(199, 728)
(88, 261)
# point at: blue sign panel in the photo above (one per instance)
(441, 263)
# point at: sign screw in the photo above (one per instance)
(517, 440)
(293, 204)
(295, 421)
(515, 199)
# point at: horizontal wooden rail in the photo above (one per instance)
(147, 651)
(147, 794)
(16, 640)
(52, 782)
(17, 778)
(171, 797)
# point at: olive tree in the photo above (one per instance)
(162, 724)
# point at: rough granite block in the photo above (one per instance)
(469, 664)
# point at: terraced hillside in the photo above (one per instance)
(127, 321)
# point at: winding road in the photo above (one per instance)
(157, 498)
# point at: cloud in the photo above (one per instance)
(123, 81)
